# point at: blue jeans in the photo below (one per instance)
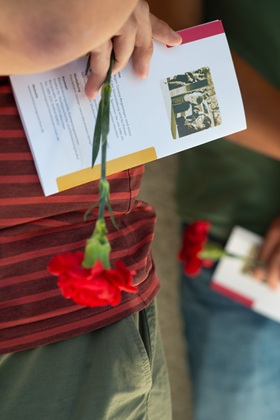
(234, 355)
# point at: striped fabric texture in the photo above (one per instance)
(33, 228)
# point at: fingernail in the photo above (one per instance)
(91, 94)
(176, 35)
(143, 73)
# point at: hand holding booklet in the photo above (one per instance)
(190, 97)
(232, 276)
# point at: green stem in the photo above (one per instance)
(101, 209)
(109, 72)
(253, 261)
(103, 158)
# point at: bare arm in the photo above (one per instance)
(261, 102)
(270, 254)
(39, 35)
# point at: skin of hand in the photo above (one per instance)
(133, 39)
(39, 36)
(270, 255)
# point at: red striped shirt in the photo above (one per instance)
(33, 228)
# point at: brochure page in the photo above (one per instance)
(190, 97)
(233, 277)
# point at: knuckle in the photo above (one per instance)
(150, 49)
(144, 7)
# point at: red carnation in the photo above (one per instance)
(94, 286)
(195, 236)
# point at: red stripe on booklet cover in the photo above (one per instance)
(201, 31)
(232, 295)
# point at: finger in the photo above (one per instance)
(259, 273)
(100, 61)
(143, 50)
(273, 271)
(154, 28)
(123, 45)
(271, 241)
(163, 33)
(142, 55)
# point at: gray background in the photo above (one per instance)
(158, 190)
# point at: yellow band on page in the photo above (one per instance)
(116, 165)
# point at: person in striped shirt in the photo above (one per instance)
(60, 360)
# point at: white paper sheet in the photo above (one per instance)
(232, 278)
(59, 120)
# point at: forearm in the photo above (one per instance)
(261, 102)
(39, 35)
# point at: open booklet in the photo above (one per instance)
(190, 97)
(232, 277)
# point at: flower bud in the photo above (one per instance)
(212, 251)
(97, 247)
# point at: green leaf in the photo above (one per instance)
(109, 207)
(97, 134)
(88, 64)
(97, 247)
(212, 251)
(106, 93)
(89, 210)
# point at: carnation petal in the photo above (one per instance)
(192, 266)
(64, 262)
